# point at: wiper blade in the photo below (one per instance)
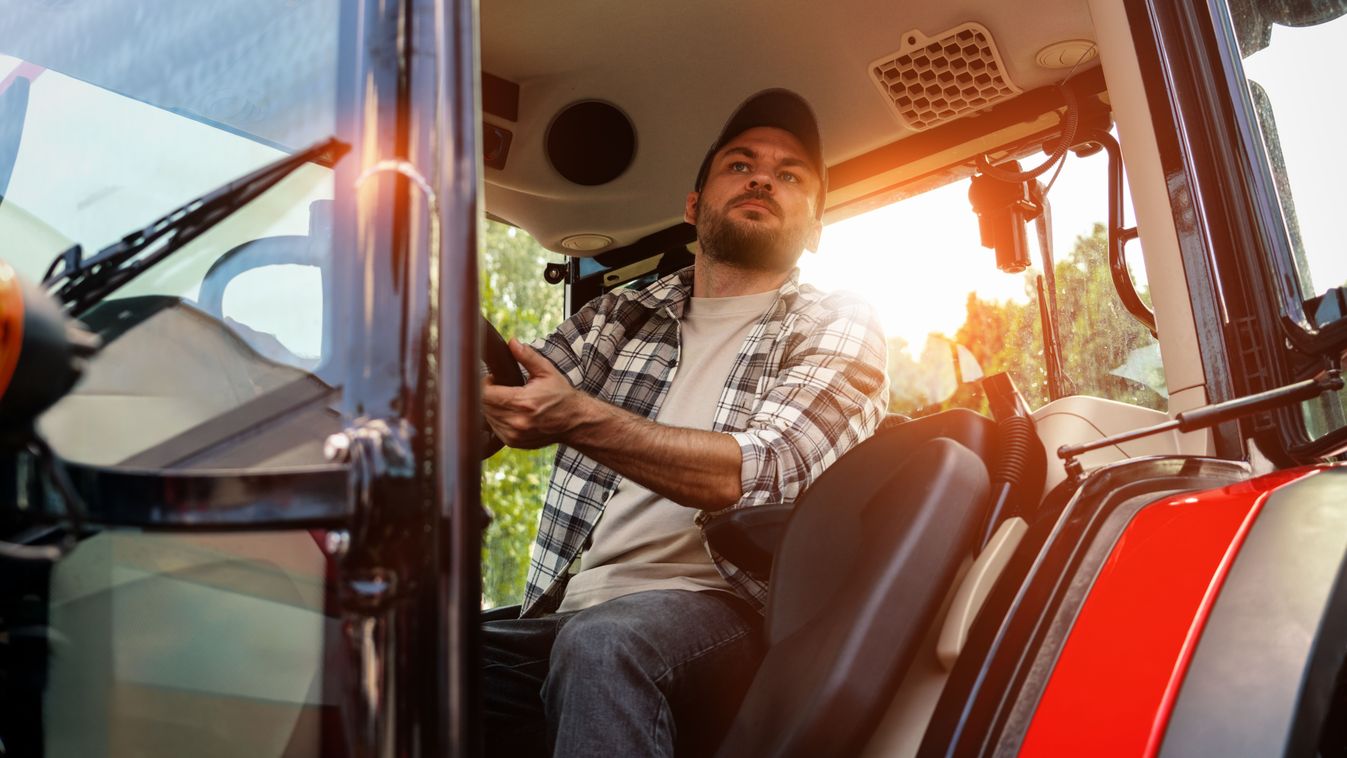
(79, 283)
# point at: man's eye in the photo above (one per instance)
(787, 176)
(739, 167)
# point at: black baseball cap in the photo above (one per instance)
(782, 109)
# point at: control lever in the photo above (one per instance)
(1211, 415)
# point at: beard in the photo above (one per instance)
(749, 246)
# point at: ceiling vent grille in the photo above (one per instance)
(933, 80)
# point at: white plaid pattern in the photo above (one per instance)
(807, 385)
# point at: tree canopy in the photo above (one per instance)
(1105, 353)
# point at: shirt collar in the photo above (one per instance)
(672, 291)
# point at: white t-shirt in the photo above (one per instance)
(645, 541)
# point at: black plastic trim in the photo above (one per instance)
(678, 235)
(1264, 673)
(500, 97)
(226, 499)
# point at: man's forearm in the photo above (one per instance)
(692, 467)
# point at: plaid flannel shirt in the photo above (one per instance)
(808, 384)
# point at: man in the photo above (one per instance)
(725, 385)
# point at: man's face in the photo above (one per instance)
(757, 208)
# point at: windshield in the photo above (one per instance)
(114, 113)
(119, 112)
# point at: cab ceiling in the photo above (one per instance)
(678, 69)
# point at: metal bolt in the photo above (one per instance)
(337, 543)
(337, 448)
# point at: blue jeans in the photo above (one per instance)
(657, 673)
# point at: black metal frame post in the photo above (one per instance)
(1200, 172)
(455, 600)
(382, 566)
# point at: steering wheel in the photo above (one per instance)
(497, 360)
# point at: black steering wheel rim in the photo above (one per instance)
(503, 369)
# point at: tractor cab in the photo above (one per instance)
(252, 252)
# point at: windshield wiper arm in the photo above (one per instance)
(79, 283)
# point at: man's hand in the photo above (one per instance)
(699, 469)
(541, 412)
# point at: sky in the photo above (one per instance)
(1310, 112)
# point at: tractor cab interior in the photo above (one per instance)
(1076, 219)
(592, 158)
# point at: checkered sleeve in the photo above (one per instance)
(830, 395)
(569, 346)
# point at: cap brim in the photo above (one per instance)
(778, 108)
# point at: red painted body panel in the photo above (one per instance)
(1114, 684)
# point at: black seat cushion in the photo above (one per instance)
(857, 580)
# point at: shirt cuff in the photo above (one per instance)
(758, 469)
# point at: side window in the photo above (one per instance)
(520, 304)
(920, 262)
(1282, 45)
(1300, 126)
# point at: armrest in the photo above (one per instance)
(748, 537)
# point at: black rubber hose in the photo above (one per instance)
(1015, 438)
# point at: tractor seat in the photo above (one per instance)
(861, 568)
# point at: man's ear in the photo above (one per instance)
(815, 233)
(690, 208)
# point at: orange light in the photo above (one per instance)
(11, 324)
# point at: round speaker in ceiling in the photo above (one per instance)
(591, 142)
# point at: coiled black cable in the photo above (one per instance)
(1015, 439)
(1015, 435)
(1070, 124)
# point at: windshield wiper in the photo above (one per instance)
(79, 283)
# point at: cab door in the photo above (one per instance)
(274, 457)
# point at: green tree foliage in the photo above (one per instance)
(1105, 352)
(905, 379)
(517, 300)
(927, 383)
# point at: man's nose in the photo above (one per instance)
(760, 180)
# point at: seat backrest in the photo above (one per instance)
(869, 553)
(749, 537)
(811, 562)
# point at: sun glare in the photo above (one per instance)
(917, 260)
